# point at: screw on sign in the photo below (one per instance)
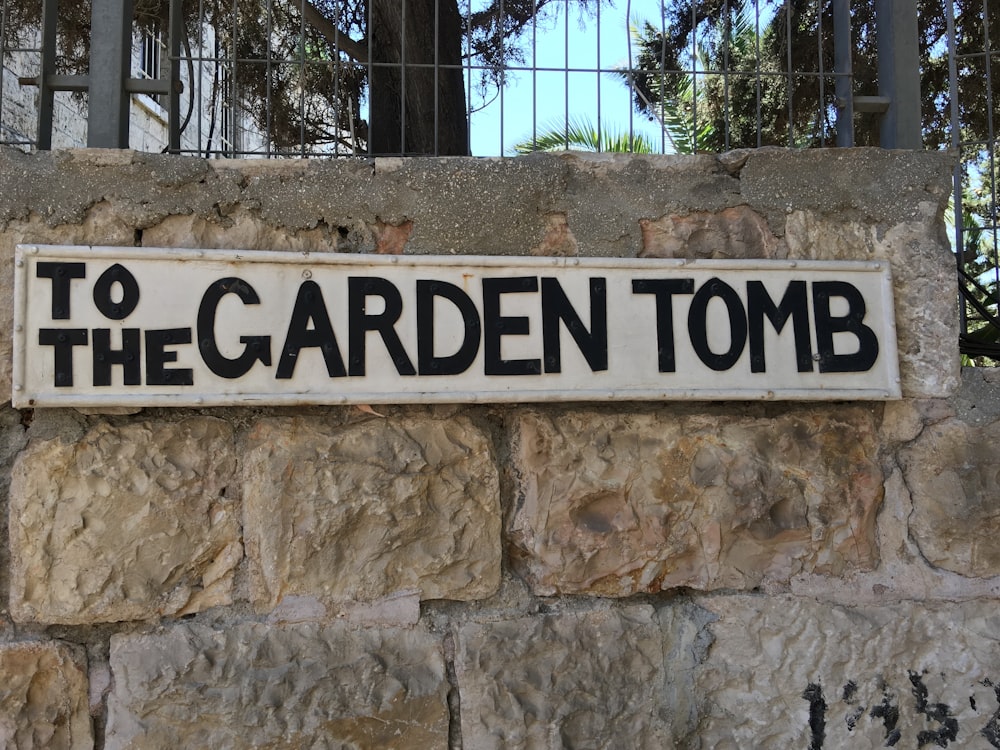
(934, 723)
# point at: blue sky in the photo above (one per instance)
(566, 39)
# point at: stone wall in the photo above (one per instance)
(633, 575)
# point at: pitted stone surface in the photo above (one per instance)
(951, 472)
(736, 232)
(786, 672)
(43, 698)
(305, 686)
(867, 184)
(588, 680)
(371, 509)
(129, 522)
(616, 504)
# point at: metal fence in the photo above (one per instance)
(973, 38)
(333, 78)
(486, 77)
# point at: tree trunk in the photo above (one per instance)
(417, 97)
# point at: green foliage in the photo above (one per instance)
(581, 134)
(302, 72)
(979, 276)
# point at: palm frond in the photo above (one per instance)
(580, 133)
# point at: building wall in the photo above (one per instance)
(635, 575)
(147, 116)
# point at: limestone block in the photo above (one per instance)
(795, 673)
(241, 229)
(128, 522)
(43, 698)
(586, 680)
(370, 509)
(250, 685)
(736, 232)
(951, 471)
(867, 184)
(615, 504)
(12, 440)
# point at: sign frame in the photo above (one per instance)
(26, 393)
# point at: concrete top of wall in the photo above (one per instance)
(864, 204)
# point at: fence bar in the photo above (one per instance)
(899, 72)
(173, 75)
(46, 95)
(110, 59)
(843, 69)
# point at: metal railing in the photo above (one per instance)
(486, 77)
(973, 38)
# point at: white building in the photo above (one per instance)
(215, 124)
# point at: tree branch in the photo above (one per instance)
(358, 51)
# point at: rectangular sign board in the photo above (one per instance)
(110, 326)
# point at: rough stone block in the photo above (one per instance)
(866, 184)
(585, 680)
(371, 509)
(43, 698)
(250, 685)
(951, 471)
(129, 522)
(616, 504)
(737, 232)
(786, 672)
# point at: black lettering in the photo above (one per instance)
(61, 274)
(664, 289)
(359, 288)
(461, 360)
(157, 356)
(255, 347)
(62, 340)
(127, 357)
(310, 307)
(827, 325)
(497, 326)
(556, 307)
(794, 304)
(120, 275)
(698, 324)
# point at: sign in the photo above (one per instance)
(100, 326)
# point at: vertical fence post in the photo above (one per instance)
(899, 72)
(110, 62)
(175, 27)
(46, 96)
(843, 69)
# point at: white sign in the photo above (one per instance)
(100, 326)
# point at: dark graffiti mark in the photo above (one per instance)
(850, 690)
(817, 715)
(849, 696)
(888, 712)
(853, 716)
(936, 723)
(992, 729)
(938, 712)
